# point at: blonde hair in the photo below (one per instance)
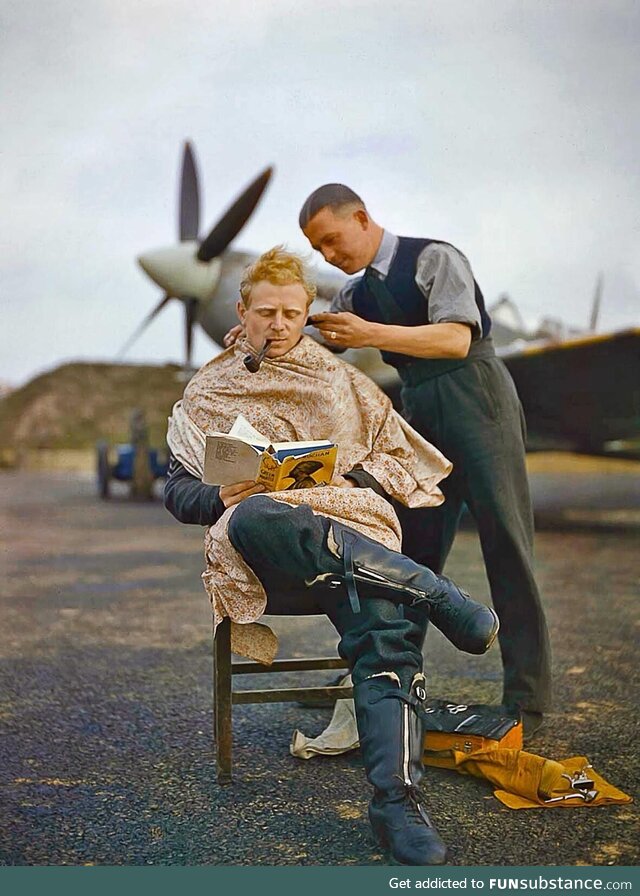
(279, 267)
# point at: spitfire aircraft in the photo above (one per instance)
(579, 392)
(580, 389)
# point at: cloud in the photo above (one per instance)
(508, 128)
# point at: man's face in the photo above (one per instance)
(278, 313)
(344, 239)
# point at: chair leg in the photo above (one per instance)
(222, 700)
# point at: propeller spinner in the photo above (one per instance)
(190, 271)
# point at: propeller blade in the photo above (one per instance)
(189, 197)
(190, 309)
(145, 323)
(233, 219)
(595, 307)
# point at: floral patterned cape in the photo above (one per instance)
(307, 394)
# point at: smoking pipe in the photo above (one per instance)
(252, 362)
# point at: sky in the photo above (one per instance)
(510, 129)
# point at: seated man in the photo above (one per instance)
(331, 549)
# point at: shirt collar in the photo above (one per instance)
(385, 254)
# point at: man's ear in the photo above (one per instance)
(362, 218)
(240, 308)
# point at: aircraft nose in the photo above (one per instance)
(178, 272)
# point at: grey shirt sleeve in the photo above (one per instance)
(444, 277)
(343, 299)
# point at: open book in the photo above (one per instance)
(244, 453)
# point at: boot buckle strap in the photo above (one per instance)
(348, 539)
(402, 696)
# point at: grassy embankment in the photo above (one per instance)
(55, 420)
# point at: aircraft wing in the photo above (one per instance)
(582, 394)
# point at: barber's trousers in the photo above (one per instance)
(473, 415)
(286, 546)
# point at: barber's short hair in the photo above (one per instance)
(279, 267)
(333, 196)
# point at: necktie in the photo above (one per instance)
(390, 311)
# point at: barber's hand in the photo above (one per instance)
(343, 329)
(340, 482)
(233, 494)
(232, 336)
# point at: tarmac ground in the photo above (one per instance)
(106, 753)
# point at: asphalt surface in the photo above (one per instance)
(106, 752)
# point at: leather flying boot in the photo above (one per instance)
(469, 625)
(391, 743)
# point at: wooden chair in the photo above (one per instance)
(224, 696)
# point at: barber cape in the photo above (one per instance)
(309, 393)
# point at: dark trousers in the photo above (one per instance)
(473, 415)
(286, 547)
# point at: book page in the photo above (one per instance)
(242, 429)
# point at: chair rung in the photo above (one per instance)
(290, 695)
(296, 665)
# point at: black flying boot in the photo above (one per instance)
(469, 625)
(278, 540)
(391, 743)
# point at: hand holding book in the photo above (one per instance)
(238, 491)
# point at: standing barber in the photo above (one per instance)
(418, 303)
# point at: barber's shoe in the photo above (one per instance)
(469, 625)
(391, 738)
(532, 721)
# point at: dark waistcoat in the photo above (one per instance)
(412, 307)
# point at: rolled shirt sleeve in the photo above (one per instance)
(444, 277)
